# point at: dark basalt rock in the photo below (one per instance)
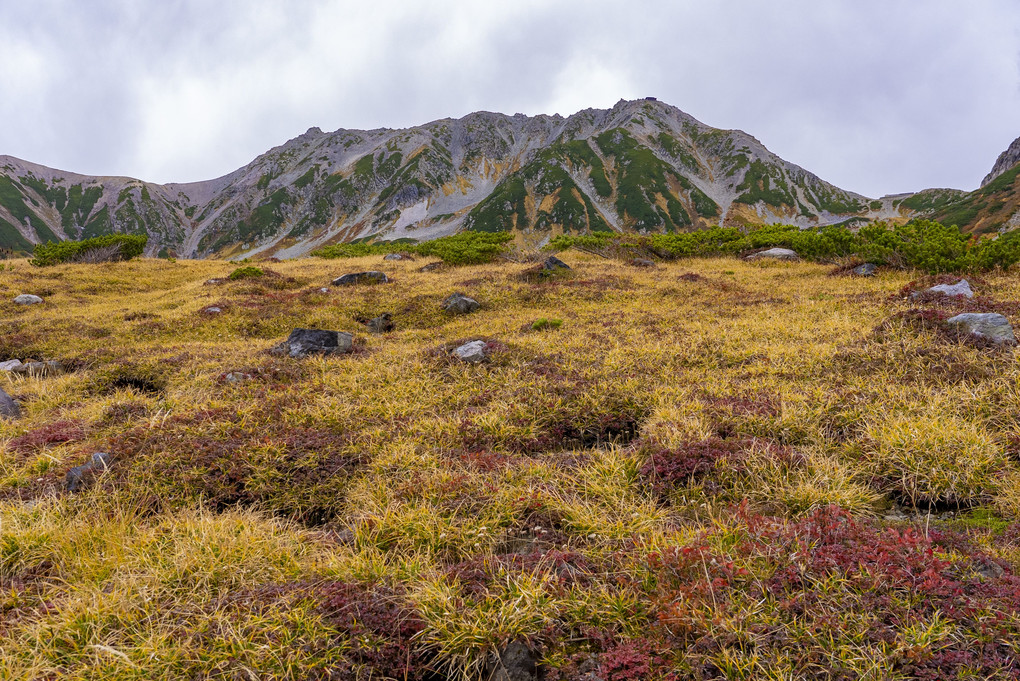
(305, 342)
(553, 263)
(354, 278)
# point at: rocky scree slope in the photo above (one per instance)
(641, 166)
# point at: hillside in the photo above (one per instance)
(641, 166)
(708, 468)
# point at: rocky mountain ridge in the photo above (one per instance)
(641, 166)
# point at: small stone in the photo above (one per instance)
(987, 325)
(458, 303)
(213, 310)
(28, 299)
(866, 270)
(474, 352)
(237, 377)
(381, 324)
(642, 262)
(354, 278)
(432, 267)
(304, 342)
(79, 476)
(553, 263)
(8, 407)
(10, 365)
(323, 290)
(214, 282)
(960, 288)
(775, 254)
(397, 256)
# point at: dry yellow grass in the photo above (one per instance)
(203, 552)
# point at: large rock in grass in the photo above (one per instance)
(8, 407)
(304, 342)
(552, 263)
(79, 477)
(458, 303)
(355, 278)
(868, 269)
(985, 325)
(775, 254)
(959, 289)
(473, 352)
(28, 299)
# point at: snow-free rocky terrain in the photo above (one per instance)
(641, 166)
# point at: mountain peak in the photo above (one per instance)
(1006, 160)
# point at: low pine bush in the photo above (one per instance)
(922, 244)
(466, 248)
(115, 246)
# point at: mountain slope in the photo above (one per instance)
(641, 166)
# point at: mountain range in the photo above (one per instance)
(642, 166)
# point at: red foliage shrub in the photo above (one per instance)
(380, 625)
(52, 433)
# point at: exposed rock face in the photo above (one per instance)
(480, 171)
(355, 278)
(473, 352)
(458, 303)
(28, 299)
(1006, 160)
(304, 342)
(986, 325)
(775, 254)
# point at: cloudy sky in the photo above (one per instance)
(876, 96)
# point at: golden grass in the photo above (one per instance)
(221, 492)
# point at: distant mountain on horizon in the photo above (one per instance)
(642, 166)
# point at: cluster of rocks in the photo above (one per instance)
(31, 367)
(987, 326)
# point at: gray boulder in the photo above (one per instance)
(458, 303)
(986, 325)
(355, 278)
(866, 270)
(304, 342)
(642, 262)
(79, 476)
(960, 288)
(28, 299)
(8, 407)
(553, 263)
(473, 352)
(775, 254)
(397, 256)
(10, 365)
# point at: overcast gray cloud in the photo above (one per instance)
(876, 96)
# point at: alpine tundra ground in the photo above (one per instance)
(709, 469)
